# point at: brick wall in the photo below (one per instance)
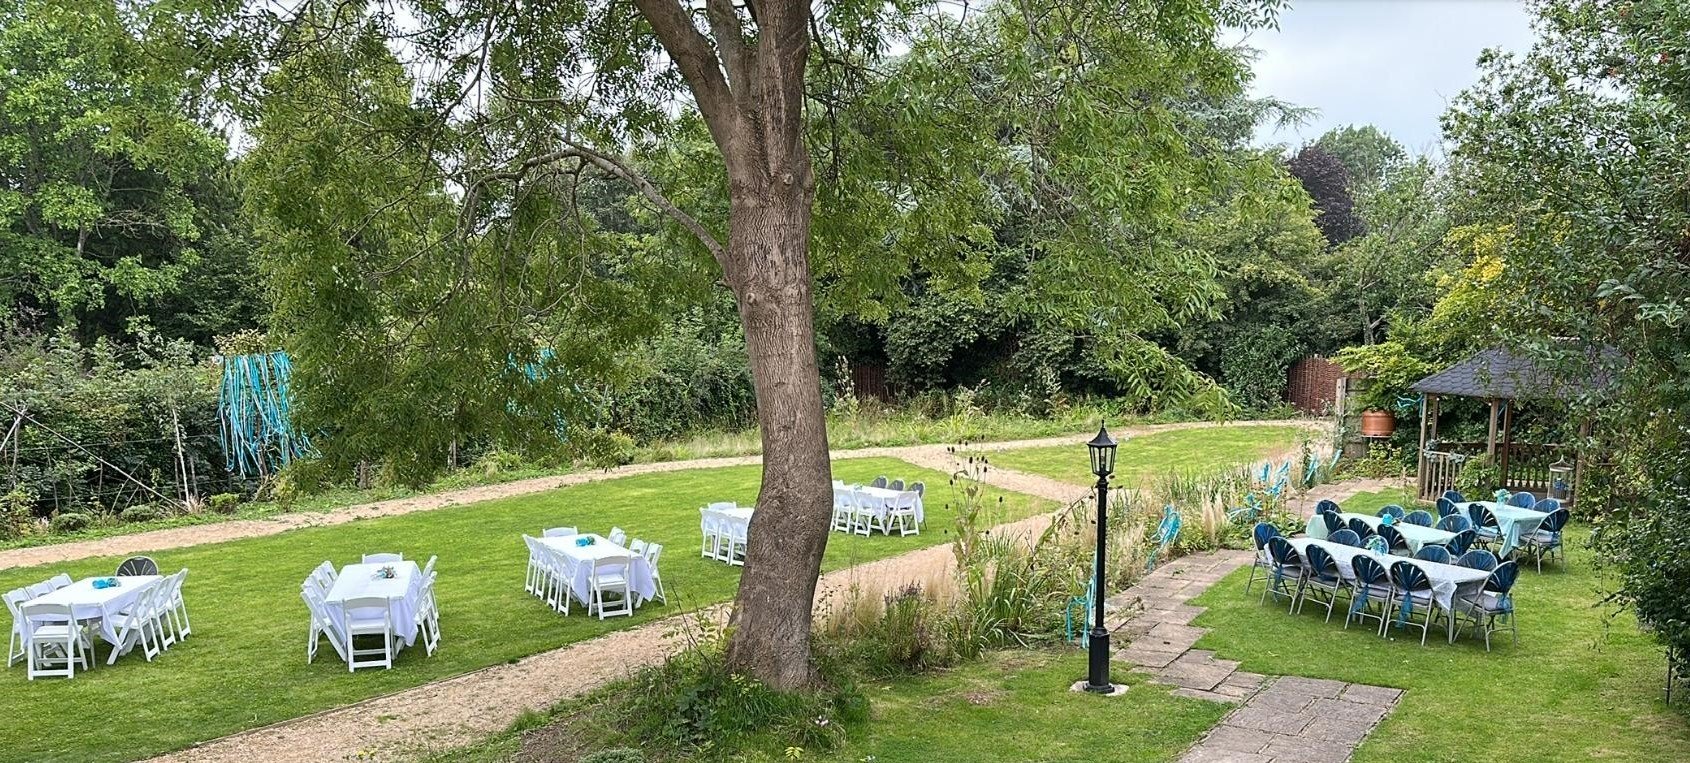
(1311, 384)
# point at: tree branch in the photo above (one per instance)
(613, 165)
(616, 166)
(737, 58)
(697, 62)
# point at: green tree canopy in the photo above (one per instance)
(115, 203)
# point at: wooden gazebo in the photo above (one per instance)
(1500, 378)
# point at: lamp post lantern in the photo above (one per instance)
(1102, 449)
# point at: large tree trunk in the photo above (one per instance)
(750, 91)
(769, 242)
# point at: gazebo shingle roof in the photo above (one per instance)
(1499, 373)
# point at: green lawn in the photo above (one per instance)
(1017, 706)
(1150, 456)
(245, 664)
(1574, 688)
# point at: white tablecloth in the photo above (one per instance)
(1416, 535)
(1512, 521)
(92, 603)
(403, 591)
(581, 558)
(1447, 579)
(881, 499)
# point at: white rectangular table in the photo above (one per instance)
(581, 559)
(90, 603)
(1448, 580)
(1512, 522)
(1416, 535)
(403, 592)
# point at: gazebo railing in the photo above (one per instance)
(1524, 466)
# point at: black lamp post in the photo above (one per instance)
(1102, 464)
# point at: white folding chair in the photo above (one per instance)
(18, 644)
(736, 535)
(705, 523)
(618, 536)
(560, 576)
(177, 607)
(653, 552)
(49, 627)
(138, 626)
(369, 616)
(902, 513)
(842, 509)
(39, 590)
(637, 547)
(383, 558)
(716, 537)
(428, 612)
(162, 621)
(558, 532)
(321, 626)
(610, 576)
(531, 576)
(866, 513)
(59, 581)
(326, 574)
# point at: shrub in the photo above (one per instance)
(142, 512)
(1479, 476)
(70, 522)
(693, 703)
(15, 514)
(618, 755)
(226, 503)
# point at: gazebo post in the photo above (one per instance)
(1507, 439)
(1490, 440)
(1420, 455)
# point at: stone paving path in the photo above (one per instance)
(1278, 720)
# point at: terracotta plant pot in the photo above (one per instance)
(1377, 424)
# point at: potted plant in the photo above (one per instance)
(1389, 370)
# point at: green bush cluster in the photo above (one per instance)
(70, 522)
(121, 403)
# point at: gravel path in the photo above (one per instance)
(931, 456)
(461, 710)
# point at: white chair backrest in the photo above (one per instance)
(637, 546)
(327, 570)
(59, 581)
(14, 599)
(723, 506)
(613, 564)
(559, 532)
(370, 606)
(618, 536)
(46, 611)
(39, 590)
(652, 552)
(428, 569)
(314, 584)
(383, 558)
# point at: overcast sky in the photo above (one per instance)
(1391, 63)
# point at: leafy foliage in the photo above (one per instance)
(116, 208)
(1577, 147)
(1327, 181)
